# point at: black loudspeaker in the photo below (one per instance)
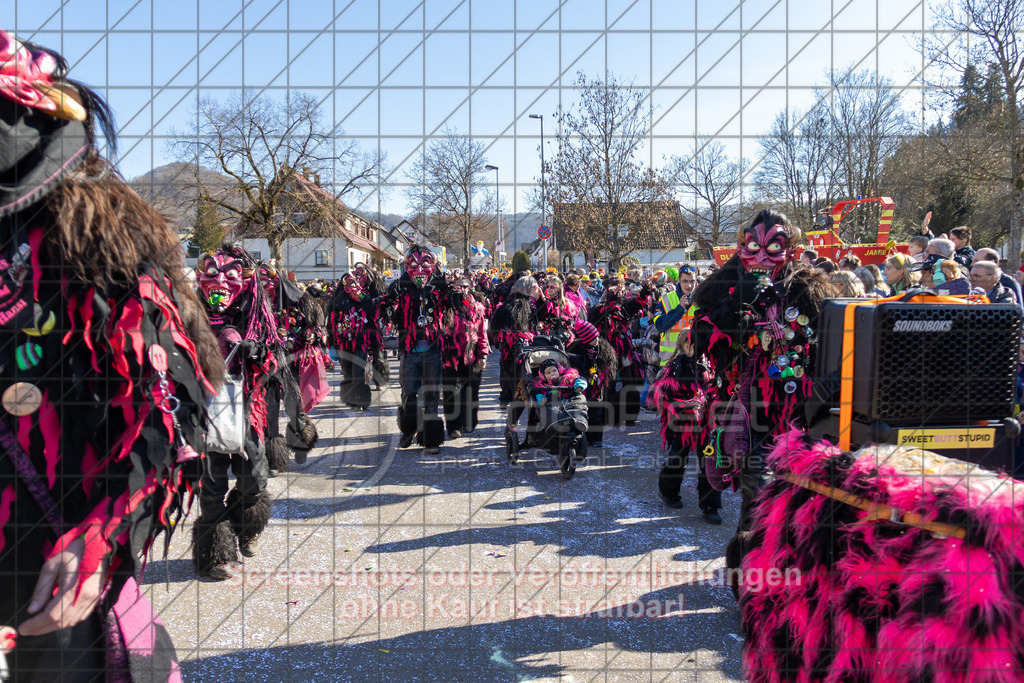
(918, 363)
(923, 373)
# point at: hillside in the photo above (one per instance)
(172, 189)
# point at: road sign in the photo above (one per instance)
(544, 232)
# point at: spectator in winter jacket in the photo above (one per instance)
(988, 254)
(964, 253)
(985, 275)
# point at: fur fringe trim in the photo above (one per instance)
(213, 545)
(248, 521)
(278, 455)
(859, 599)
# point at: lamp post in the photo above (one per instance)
(543, 198)
(497, 210)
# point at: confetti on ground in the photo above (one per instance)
(380, 649)
(497, 553)
(292, 602)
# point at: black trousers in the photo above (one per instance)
(353, 371)
(251, 482)
(461, 398)
(670, 479)
(421, 372)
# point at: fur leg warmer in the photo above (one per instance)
(248, 521)
(278, 455)
(213, 545)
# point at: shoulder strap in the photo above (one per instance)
(31, 478)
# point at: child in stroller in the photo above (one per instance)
(557, 423)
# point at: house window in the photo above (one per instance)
(257, 255)
(322, 259)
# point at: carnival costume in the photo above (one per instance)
(415, 305)
(513, 326)
(613, 317)
(355, 335)
(465, 354)
(754, 327)
(247, 331)
(282, 385)
(106, 365)
(306, 342)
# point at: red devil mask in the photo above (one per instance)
(355, 282)
(764, 251)
(420, 265)
(270, 281)
(221, 279)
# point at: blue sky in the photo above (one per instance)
(393, 73)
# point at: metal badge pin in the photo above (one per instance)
(782, 361)
(789, 387)
(21, 398)
(791, 314)
(802, 320)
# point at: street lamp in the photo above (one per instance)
(497, 210)
(543, 198)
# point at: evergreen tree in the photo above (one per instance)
(207, 233)
(520, 261)
(969, 106)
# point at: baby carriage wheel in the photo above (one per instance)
(568, 457)
(511, 446)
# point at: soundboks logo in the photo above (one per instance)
(923, 326)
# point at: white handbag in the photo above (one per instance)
(225, 415)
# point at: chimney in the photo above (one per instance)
(307, 171)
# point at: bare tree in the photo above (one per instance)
(602, 196)
(710, 182)
(990, 148)
(867, 124)
(262, 144)
(796, 171)
(447, 184)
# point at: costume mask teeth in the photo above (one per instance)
(764, 251)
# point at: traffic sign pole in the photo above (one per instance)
(544, 233)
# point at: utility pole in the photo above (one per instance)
(543, 197)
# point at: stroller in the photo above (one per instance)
(559, 425)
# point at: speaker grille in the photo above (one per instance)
(956, 363)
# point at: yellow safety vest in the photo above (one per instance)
(669, 340)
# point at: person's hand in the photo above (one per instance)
(55, 611)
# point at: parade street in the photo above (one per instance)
(386, 564)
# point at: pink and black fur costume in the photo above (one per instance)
(826, 594)
(613, 318)
(513, 326)
(754, 329)
(356, 335)
(282, 385)
(415, 305)
(245, 325)
(99, 328)
(465, 355)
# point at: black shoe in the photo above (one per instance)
(675, 502)
(249, 546)
(406, 440)
(272, 473)
(455, 434)
(597, 444)
(711, 515)
(220, 572)
(433, 450)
